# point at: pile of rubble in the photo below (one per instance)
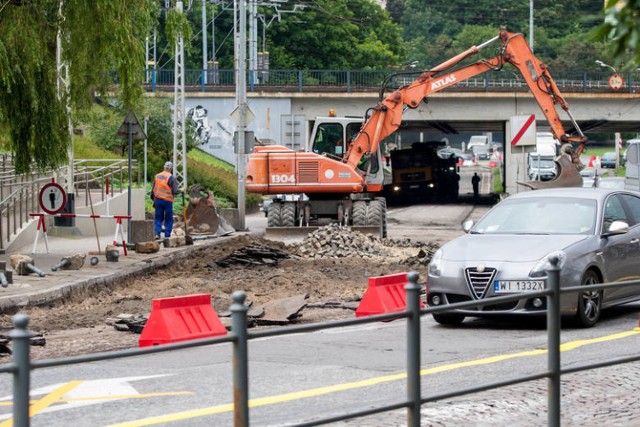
(334, 241)
(253, 255)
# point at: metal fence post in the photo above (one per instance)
(413, 349)
(20, 337)
(553, 343)
(240, 360)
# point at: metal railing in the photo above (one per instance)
(371, 80)
(19, 192)
(21, 365)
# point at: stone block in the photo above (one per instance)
(147, 247)
(142, 231)
(175, 241)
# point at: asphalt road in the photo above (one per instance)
(299, 378)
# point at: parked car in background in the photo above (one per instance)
(447, 152)
(481, 152)
(466, 159)
(593, 232)
(608, 160)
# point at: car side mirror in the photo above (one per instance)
(467, 225)
(617, 227)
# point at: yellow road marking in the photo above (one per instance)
(179, 416)
(46, 401)
(124, 396)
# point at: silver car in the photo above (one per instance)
(594, 232)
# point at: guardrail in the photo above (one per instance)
(21, 365)
(19, 192)
(370, 80)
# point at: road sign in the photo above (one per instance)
(616, 81)
(52, 198)
(137, 133)
(523, 129)
(237, 118)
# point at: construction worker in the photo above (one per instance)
(165, 187)
(475, 182)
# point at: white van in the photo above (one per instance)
(482, 140)
(632, 165)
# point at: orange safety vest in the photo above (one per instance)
(161, 188)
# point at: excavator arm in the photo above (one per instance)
(387, 115)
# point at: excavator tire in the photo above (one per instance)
(375, 212)
(274, 215)
(359, 214)
(383, 201)
(289, 214)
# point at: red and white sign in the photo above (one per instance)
(52, 198)
(523, 130)
(616, 81)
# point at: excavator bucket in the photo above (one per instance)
(202, 215)
(568, 175)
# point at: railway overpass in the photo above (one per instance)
(285, 114)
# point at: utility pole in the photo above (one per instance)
(253, 40)
(204, 41)
(241, 101)
(63, 84)
(179, 119)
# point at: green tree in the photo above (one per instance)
(103, 123)
(102, 42)
(621, 31)
(336, 34)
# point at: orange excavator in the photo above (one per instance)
(345, 189)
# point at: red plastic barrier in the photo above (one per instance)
(592, 160)
(180, 319)
(385, 294)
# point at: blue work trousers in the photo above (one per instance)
(164, 213)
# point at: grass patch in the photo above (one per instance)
(496, 173)
(207, 159)
(84, 148)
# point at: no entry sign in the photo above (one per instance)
(52, 198)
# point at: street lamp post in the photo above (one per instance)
(603, 65)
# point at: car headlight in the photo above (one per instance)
(435, 266)
(540, 268)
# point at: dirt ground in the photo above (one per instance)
(79, 325)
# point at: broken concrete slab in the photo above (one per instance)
(283, 310)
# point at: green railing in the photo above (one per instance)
(507, 79)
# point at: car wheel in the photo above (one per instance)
(589, 302)
(449, 318)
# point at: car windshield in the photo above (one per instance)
(540, 216)
(609, 156)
